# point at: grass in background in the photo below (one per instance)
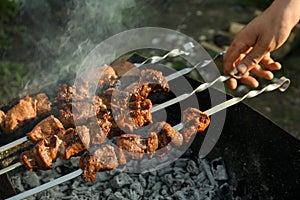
(11, 72)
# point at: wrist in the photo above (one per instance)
(289, 11)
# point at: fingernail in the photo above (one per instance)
(242, 68)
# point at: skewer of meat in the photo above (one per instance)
(28, 108)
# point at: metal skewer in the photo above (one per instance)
(155, 59)
(282, 84)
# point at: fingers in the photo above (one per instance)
(232, 83)
(270, 64)
(261, 73)
(233, 55)
(249, 80)
(253, 58)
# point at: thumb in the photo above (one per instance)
(252, 59)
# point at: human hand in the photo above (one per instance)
(250, 50)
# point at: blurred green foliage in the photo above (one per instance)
(11, 79)
(8, 13)
(262, 4)
(11, 72)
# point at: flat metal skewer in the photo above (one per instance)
(155, 59)
(14, 143)
(282, 84)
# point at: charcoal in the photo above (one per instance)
(32, 179)
(206, 168)
(190, 182)
(151, 182)
(182, 179)
(163, 171)
(167, 179)
(218, 169)
(164, 190)
(116, 196)
(137, 187)
(199, 178)
(121, 180)
(157, 186)
(181, 163)
(133, 195)
(107, 192)
(17, 183)
(179, 195)
(142, 181)
(192, 167)
(102, 177)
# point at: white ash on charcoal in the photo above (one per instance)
(185, 178)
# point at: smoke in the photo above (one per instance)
(61, 33)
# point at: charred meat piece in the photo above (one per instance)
(74, 141)
(42, 155)
(194, 121)
(140, 112)
(104, 158)
(81, 112)
(155, 80)
(2, 118)
(166, 134)
(67, 93)
(128, 116)
(138, 92)
(152, 143)
(132, 145)
(125, 68)
(45, 128)
(150, 81)
(99, 129)
(66, 117)
(24, 111)
(64, 94)
(107, 75)
(43, 105)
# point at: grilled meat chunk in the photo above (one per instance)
(99, 130)
(194, 121)
(140, 112)
(107, 75)
(155, 80)
(43, 105)
(74, 141)
(24, 111)
(81, 112)
(125, 68)
(42, 155)
(66, 117)
(152, 143)
(104, 158)
(67, 93)
(2, 118)
(166, 134)
(132, 145)
(47, 127)
(149, 81)
(128, 116)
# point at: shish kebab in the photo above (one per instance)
(251, 94)
(281, 84)
(51, 125)
(153, 60)
(157, 108)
